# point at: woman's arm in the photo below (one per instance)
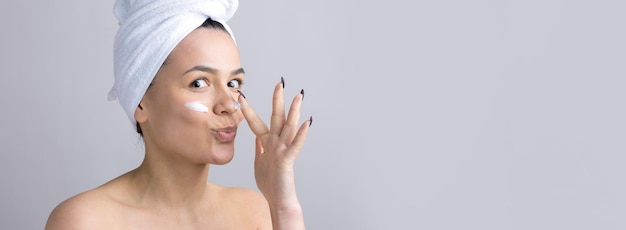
(276, 150)
(287, 216)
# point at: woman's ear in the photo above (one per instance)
(141, 114)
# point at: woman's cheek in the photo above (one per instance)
(197, 106)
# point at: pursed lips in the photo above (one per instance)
(226, 134)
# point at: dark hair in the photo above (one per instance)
(212, 24)
(209, 24)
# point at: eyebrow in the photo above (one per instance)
(213, 71)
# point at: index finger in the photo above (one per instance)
(258, 127)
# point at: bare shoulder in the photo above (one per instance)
(83, 211)
(93, 209)
(250, 203)
(247, 197)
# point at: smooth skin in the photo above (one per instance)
(169, 190)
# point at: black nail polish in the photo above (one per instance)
(302, 92)
(243, 95)
(310, 121)
(282, 80)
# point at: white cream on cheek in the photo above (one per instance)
(197, 106)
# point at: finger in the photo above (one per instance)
(258, 150)
(257, 125)
(298, 141)
(291, 125)
(278, 109)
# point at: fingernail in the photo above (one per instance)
(302, 92)
(282, 80)
(310, 121)
(241, 93)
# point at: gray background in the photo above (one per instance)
(428, 114)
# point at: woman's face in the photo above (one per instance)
(204, 69)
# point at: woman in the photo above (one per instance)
(188, 115)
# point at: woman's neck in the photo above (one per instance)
(171, 183)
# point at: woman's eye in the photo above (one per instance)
(199, 83)
(235, 84)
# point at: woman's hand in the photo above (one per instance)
(276, 150)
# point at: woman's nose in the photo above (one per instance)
(226, 103)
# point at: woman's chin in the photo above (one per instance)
(223, 156)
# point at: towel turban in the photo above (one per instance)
(149, 31)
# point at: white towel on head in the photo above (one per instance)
(149, 31)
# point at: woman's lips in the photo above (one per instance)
(225, 135)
